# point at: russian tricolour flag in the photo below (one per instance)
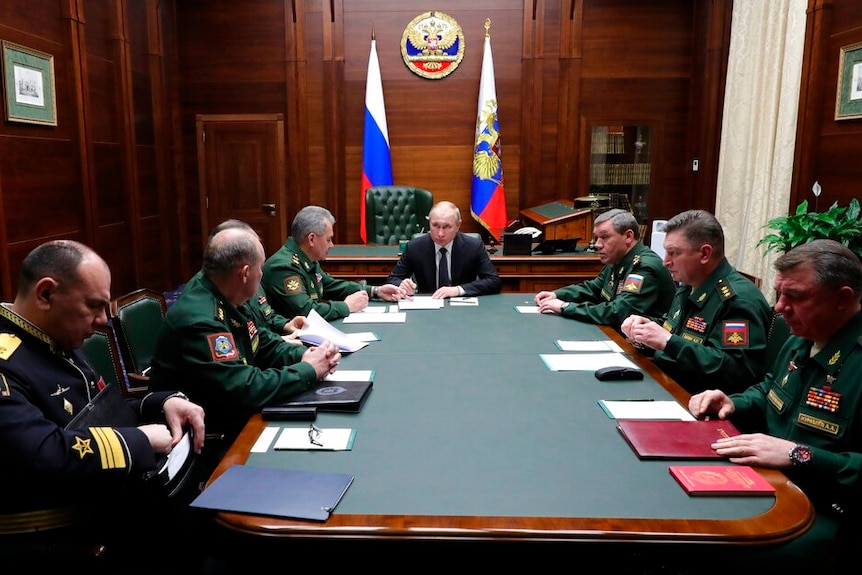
(488, 201)
(376, 162)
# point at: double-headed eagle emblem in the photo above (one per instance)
(432, 45)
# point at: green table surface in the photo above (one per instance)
(465, 419)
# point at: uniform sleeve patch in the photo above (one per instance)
(736, 333)
(292, 284)
(633, 283)
(222, 346)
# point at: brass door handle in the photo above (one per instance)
(269, 208)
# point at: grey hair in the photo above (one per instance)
(698, 227)
(310, 220)
(834, 264)
(621, 220)
(230, 249)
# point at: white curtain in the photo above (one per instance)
(759, 127)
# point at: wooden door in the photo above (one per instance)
(241, 171)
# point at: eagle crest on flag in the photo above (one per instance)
(486, 158)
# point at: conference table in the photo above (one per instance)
(469, 436)
(518, 273)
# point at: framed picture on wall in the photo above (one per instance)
(848, 102)
(28, 78)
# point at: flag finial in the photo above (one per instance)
(487, 27)
(373, 35)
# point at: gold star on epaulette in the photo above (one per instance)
(834, 359)
(636, 260)
(295, 259)
(701, 298)
(219, 313)
(9, 342)
(235, 323)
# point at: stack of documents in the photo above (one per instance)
(319, 330)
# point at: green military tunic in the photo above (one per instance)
(225, 358)
(638, 284)
(719, 334)
(816, 401)
(296, 285)
(264, 314)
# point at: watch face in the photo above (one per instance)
(800, 455)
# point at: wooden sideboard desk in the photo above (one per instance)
(520, 274)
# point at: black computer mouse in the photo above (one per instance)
(618, 373)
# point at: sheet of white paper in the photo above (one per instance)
(397, 317)
(527, 308)
(374, 309)
(178, 455)
(332, 438)
(264, 440)
(319, 330)
(463, 301)
(420, 302)
(365, 336)
(645, 409)
(605, 345)
(584, 361)
(351, 375)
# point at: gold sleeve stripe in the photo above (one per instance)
(111, 450)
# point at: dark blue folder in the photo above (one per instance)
(275, 492)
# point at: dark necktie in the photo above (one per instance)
(442, 270)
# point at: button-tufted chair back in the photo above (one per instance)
(395, 213)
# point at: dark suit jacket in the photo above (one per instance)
(471, 268)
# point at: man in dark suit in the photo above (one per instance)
(445, 262)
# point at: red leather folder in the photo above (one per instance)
(672, 439)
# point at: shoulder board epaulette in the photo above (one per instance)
(636, 260)
(9, 342)
(220, 314)
(724, 289)
(294, 257)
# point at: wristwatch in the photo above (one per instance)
(564, 305)
(800, 455)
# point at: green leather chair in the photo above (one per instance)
(137, 317)
(103, 353)
(395, 213)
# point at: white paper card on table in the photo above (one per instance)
(599, 346)
(325, 438)
(644, 409)
(351, 375)
(365, 336)
(584, 361)
(319, 329)
(463, 300)
(420, 302)
(264, 440)
(374, 309)
(527, 308)
(397, 317)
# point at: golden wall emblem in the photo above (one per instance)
(432, 45)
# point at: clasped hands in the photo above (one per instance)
(645, 332)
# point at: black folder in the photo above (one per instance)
(332, 396)
(275, 492)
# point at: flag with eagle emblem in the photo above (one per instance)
(376, 162)
(487, 200)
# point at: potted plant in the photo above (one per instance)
(841, 224)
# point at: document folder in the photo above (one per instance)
(673, 439)
(332, 396)
(275, 492)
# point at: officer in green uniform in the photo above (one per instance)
(806, 415)
(714, 335)
(632, 281)
(219, 351)
(295, 283)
